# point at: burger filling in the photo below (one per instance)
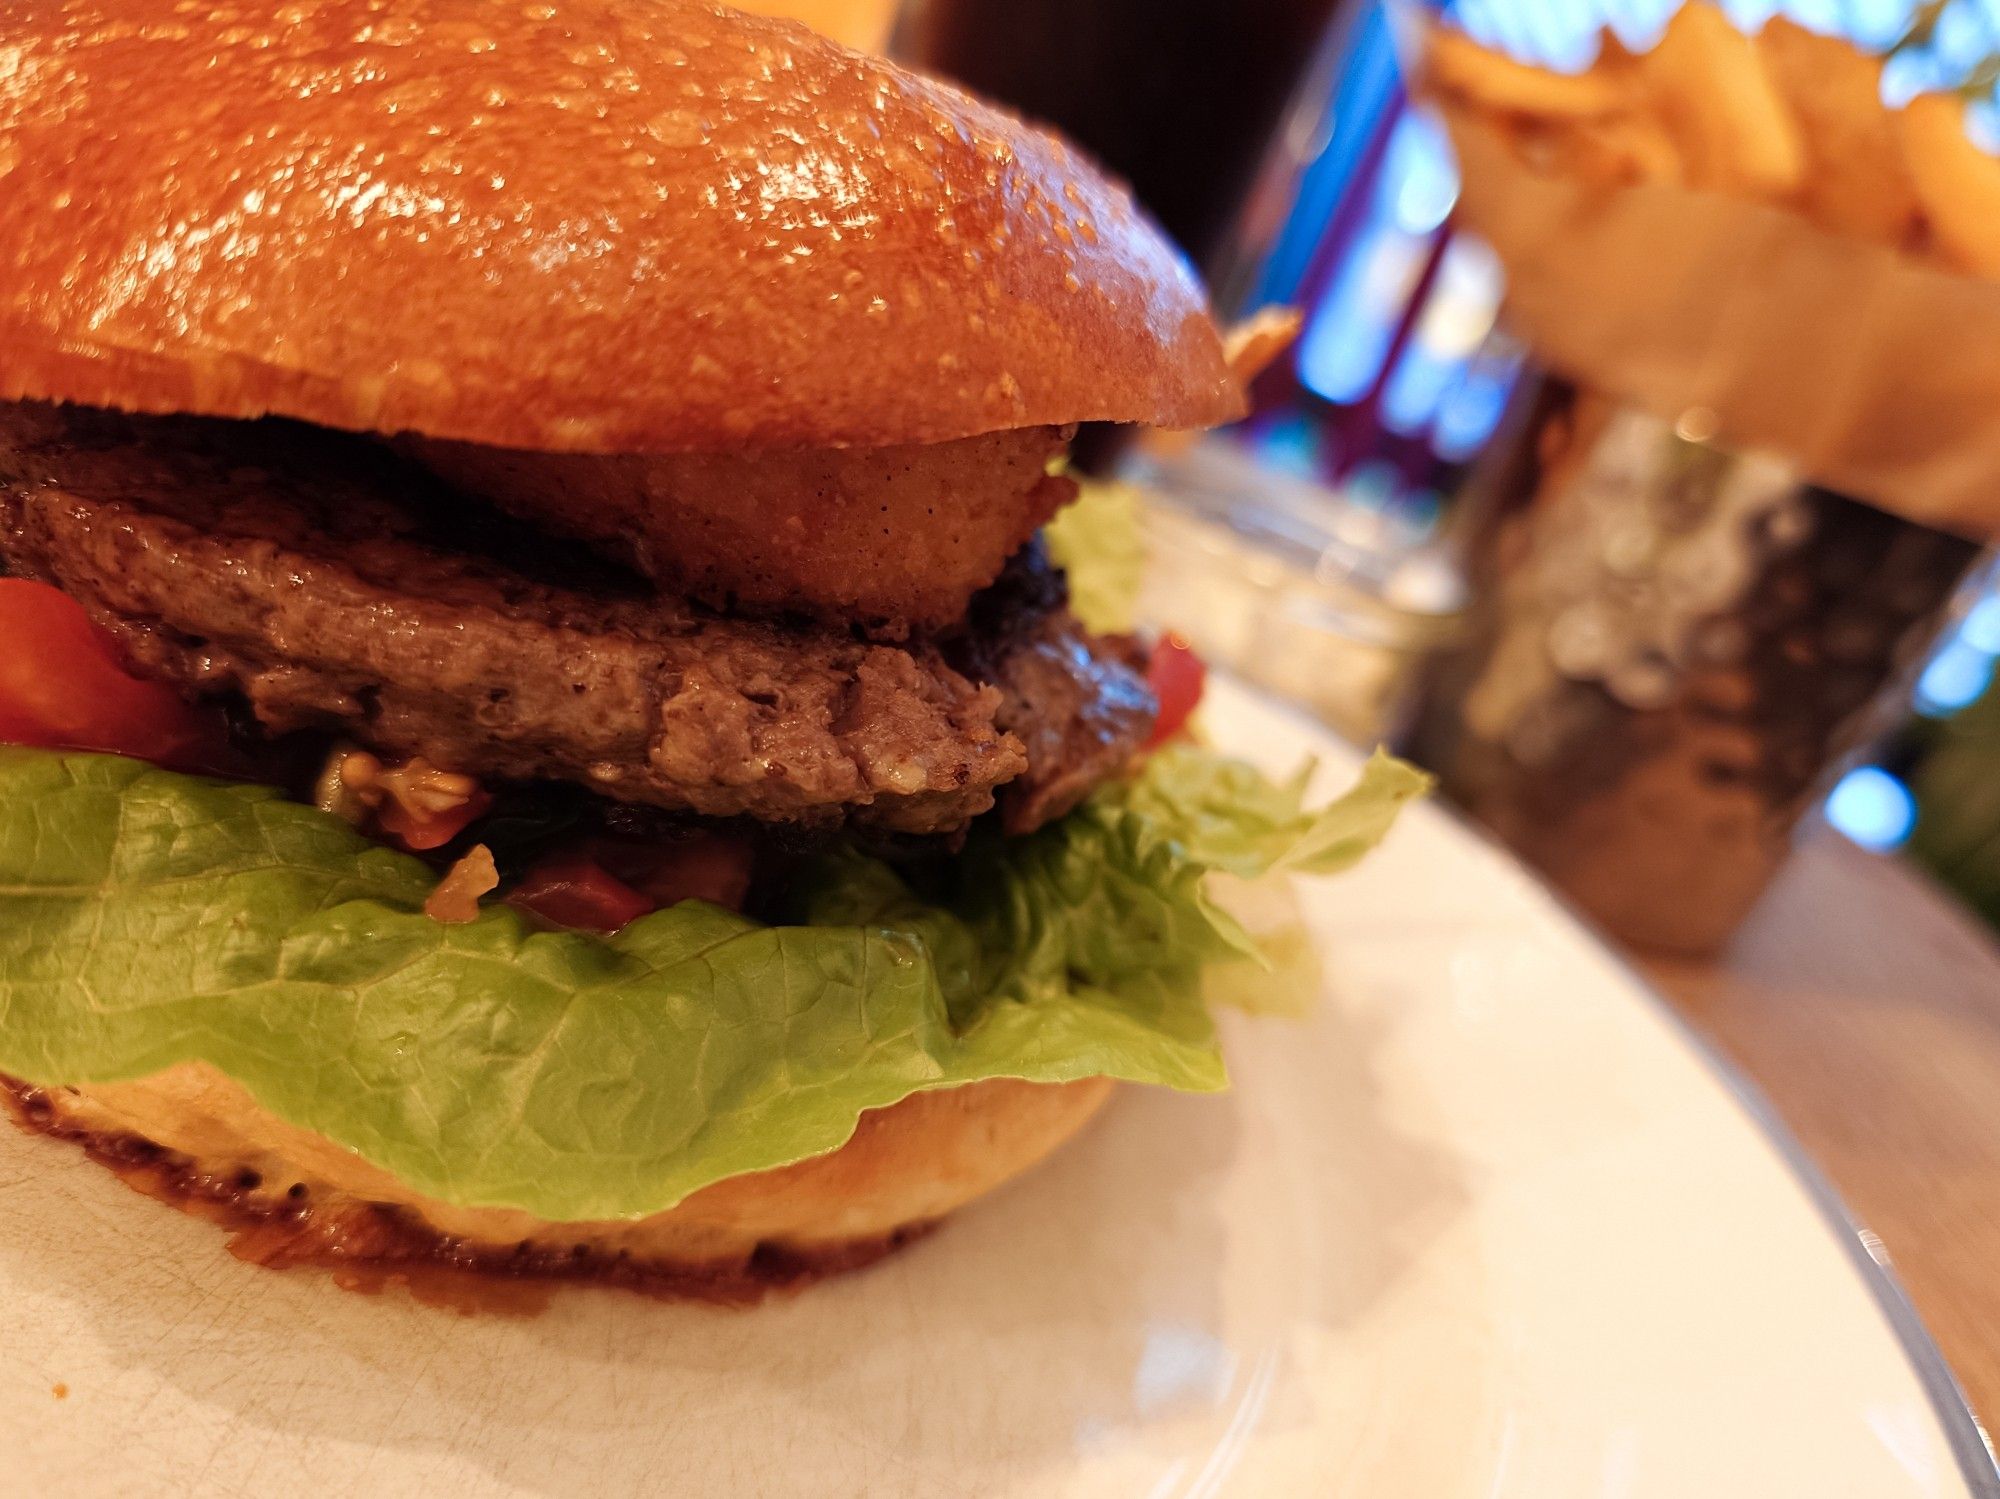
(548, 865)
(329, 587)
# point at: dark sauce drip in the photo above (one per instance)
(373, 1248)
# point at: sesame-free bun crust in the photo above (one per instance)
(206, 1143)
(578, 225)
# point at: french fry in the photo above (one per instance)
(1632, 146)
(1588, 125)
(1641, 145)
(1250, 345)
(1614, 59)
(1618, 151)
(1455, 64)
(1957, 181)
(1856, 180)
(1719, 104)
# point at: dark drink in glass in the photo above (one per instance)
(1179, 97)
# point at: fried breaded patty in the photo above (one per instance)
(892, 539)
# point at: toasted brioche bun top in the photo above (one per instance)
(572, 225)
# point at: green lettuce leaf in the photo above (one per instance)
(1228, 815)
(149, 919)
(1100, 542)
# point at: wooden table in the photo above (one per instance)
(1866, 1006)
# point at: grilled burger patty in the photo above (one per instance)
(334, 586)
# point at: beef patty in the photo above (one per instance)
(332, 586)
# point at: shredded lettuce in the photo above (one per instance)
(149, 919)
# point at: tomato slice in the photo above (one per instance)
(63, 685)
(1177, 676)
(574, 890)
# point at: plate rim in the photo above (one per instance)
(1978, 1464)
(1971, 1447)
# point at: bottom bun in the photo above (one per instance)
(197, 1138)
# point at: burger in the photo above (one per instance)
(541, 732)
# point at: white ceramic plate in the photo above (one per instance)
(1488, 1225)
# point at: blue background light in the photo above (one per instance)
(1873, 808)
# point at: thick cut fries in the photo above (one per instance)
(1856, 181)
(1957, 180)
(1787, 117)
(1719, 104)
(1456, 64)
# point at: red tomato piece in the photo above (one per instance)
(427, 830)
(715, 867)
(1177, 676)
(574, 890)
(63, 685)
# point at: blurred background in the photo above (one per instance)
(1430, 537)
